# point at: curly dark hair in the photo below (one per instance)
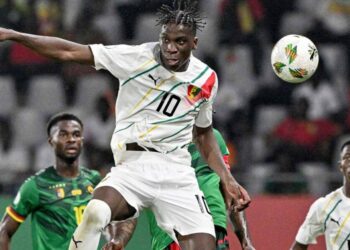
(345, 144)
(61, 117)
(182, 12)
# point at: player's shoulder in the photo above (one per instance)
(334, 195)
(32, 181)
(88, 171)
(329, 200)
(90, 174)
(200, 67)
(128, 48)
(43, 173)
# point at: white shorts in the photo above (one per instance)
(171, 191)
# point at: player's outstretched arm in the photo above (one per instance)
(8, 227)
(298, 246)
(240, 228)
(120, 233)
(51, 47)
(236, 197)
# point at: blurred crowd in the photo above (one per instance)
(283, 138)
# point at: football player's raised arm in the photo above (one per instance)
(51, 47)
(8, 227)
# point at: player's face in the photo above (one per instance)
(66, 139)
(345, 162)
(176, 44)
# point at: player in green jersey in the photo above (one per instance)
(56, 196)
(209, 183)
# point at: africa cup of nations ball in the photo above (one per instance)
(294, 58)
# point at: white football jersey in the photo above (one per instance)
(156, 107)
(330, 216)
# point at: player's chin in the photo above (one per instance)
(347, 176)
(71, 156)
(173, 67)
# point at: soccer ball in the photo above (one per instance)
(294, 58)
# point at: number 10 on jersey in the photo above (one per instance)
(171, 104)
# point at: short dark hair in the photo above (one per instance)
(345, 144)
(182, 12)
(61, 117)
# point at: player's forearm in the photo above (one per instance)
(122, 231)
(8, 227)
(240, 227)
(51, 47)
(210, 151)
(4, 240)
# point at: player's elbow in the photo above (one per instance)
(64, 56)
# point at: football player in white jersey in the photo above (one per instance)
(165, 95)
(329, 215)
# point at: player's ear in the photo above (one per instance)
(49, 140)
(195, 43)
(340, 166)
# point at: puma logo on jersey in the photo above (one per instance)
(154, 80)
(336, 221)
(76, 242)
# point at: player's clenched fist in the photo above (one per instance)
(236, 197)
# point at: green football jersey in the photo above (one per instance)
(198, 163)
(209, 183)
(56, 205)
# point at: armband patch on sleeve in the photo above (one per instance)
(14, 215)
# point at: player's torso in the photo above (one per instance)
(160, 106)
(336, 219)
(62, 204)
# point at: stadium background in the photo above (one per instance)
(251, 103)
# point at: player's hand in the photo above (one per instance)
(113, 245)
(236, 197)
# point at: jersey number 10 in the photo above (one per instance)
(171, 104)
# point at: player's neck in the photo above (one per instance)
(67, 170)
(346, 189)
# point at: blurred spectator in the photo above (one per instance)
(269, 95)
(298, 139)
(130, 10)
(332, 22)
(14, 158)
(98, 129)
(275, 10)
(44, 19)
(324, 103)
(241, 22)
